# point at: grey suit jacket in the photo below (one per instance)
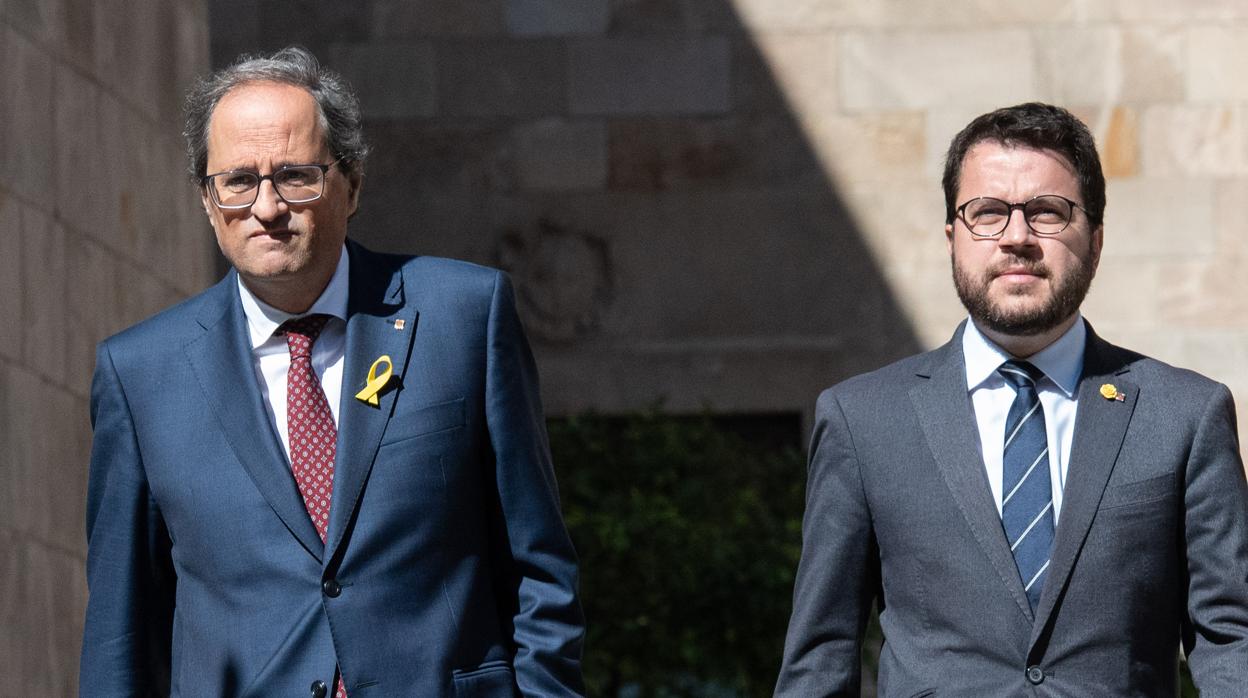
(1151, 547)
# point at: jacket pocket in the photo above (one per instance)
(408, 424)
(1150, 490)
(494, 679)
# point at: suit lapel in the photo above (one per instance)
(944, 409)
(375, 302)
(1100, 427)
(222, 361)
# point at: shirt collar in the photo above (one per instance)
(263, 319)
(1061, 361)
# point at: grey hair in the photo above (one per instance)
(337, 107)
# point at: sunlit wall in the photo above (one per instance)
(881, 87)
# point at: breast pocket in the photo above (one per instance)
(421, 421)
(1153, 489)
(490, 680)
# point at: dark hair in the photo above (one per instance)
(1032, 125)
(337, 107)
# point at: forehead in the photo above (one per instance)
(1016, 172)
(265, 120)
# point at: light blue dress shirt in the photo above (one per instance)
(1062, 364)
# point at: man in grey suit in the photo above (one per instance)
(1036, 511)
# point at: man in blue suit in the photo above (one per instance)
(328, 474)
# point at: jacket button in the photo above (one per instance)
(319, 689)
(1035, 674)
(332, 588)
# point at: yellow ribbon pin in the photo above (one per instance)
(376, 382)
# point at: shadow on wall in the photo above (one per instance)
(637, 168)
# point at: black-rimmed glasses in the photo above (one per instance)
(1048, 214)
(294, 184)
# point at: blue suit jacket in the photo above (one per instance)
(453, 572)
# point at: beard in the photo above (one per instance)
(1066, 295)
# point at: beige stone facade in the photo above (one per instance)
(98, 229)
(713, 203)
(1161, 84)
(740, 198)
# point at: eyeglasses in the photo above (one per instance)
(1048, 214)
(294, 184)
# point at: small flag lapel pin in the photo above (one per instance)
(400, 324)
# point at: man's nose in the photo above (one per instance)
(268, 204)
(1017, 232)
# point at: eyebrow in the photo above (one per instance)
(277, 165)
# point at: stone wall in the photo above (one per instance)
(733, 203)
(1159, 83)
(724, 204)
(98, 229)
(638, 169)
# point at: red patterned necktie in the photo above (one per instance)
(310, 423)
(311, 432)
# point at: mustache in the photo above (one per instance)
(1030, 266)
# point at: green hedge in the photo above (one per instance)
(688, 538)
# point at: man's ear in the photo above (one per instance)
(355, 180)
(949, 237)
(1098, 240)
(206, 200)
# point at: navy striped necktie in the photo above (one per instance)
(1027, 491)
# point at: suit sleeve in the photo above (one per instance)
(1216, 535)
(127, 632)
(838, 573)
(541, 584)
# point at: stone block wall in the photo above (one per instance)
(1159, 83)
(98, 229)
(734, 203)
(639, 169)
(724, 204)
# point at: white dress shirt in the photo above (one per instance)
(1062, 364)
(271, 357)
